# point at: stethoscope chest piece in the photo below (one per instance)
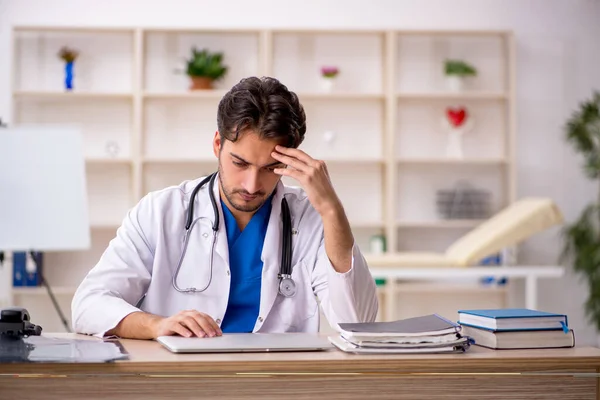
(287, 287)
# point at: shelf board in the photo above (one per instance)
(327, 31)
(179, 161)
(449, 224)
(353, 160)
(70, 95)
(202, 30)
(41, 290)
(375, 260)
(152, 160)
(74, 29)
(218, 94)
(453, 96)
(448, 287)
(452, 32)
(451, 161)
(278, 30)
(196, 94)
(105, 225)
(109, 161)
(339, 96)
(367, 224)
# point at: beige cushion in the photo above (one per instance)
(509, 227)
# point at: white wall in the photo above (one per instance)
(558, 55)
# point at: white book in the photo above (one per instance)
(501, 340)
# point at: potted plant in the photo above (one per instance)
(582, 237)
(456, 71)
(328, 75)
(68, 56)
(204, 68)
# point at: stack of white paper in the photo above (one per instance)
(426, 334)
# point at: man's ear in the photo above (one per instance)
(217, 144)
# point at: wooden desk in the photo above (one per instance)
(155, 373)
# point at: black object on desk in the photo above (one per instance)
(15, 323)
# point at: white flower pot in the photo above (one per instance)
(377, 244)
(327, 84)
(455, 83)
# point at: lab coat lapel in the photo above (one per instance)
(271, 254)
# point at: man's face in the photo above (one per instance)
(246, 170)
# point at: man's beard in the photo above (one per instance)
(229, 195)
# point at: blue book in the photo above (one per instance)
(513, 319)
(25, 272)
(19, 272)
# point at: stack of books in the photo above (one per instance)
(516, 328)
(426, 334)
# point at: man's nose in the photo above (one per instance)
(251, 182)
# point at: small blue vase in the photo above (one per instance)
(69, 75)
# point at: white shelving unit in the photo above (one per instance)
(145, 130)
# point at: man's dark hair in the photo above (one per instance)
(265, 106)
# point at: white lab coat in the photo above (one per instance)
(142, 258)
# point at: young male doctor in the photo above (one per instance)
(171, 273)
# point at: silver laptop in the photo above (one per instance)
(246, 342)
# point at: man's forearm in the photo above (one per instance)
(137, 325)
(338, 239)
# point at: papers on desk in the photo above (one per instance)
(426, 334)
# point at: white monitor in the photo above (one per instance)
(43, 193)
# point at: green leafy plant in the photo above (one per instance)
(67, 54)
(459, 67)
(203, 63)
(582, 237)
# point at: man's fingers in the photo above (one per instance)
(216, 326)
(207, 323)
(176, 327)
(296, 153)
(193, 325)
(198, 323)
(207, 326)
(289, 172)
(293, 162)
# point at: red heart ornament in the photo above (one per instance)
(456, 117)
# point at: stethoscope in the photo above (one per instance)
(287, 286)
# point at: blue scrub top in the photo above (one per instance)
(245, 249)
